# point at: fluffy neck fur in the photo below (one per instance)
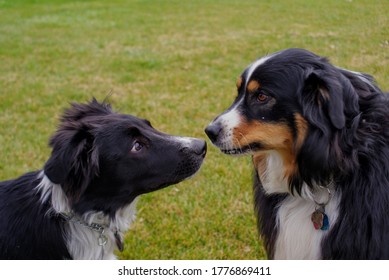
(296, 238)
(82, 242)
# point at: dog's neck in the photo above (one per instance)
(92, 235)
(298, 235)
(273, 171)
(271, 168)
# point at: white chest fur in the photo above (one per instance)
(273, 177)
(297, 237)
(83, 242)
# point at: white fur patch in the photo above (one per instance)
(228, 121)
(82, 242)
(297, 238)
(273, 179)
(254, 65)
(48, 189)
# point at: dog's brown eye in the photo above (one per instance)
(262, 97)
(136, 147)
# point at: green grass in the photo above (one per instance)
(175, 63)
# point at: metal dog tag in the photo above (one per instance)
(320, 219)
(317, 218)
(326, 223)
(102, 240)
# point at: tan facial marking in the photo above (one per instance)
(289, 159)
(302, 129)
(253, 86)
(259, 161)
(239, 83)
(276, 137)
(270, 135)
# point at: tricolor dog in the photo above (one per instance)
(319, 140)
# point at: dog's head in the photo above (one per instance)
(103, 159)
(296, 105)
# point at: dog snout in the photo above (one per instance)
(193, 146)
(199, 147)
(213, 131)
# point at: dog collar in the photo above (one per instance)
(99, 228)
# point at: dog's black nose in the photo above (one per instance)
(213, 131)
(199, 147)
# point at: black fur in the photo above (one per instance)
(26, 232)
(102, 161)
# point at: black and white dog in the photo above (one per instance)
(81, 203)
(319, 138)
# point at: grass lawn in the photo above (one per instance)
(175, 63)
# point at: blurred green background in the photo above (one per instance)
(176, 64)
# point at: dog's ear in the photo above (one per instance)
(74, 160)
(58, 165)
(323, 98)
(322, 102)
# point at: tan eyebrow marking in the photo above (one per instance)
(239, 82)
(253, 86)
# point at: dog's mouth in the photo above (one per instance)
(246, 150)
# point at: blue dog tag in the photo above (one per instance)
(320, 219)
(325, 222)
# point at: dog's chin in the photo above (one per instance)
(165, 185)
(162, 186)
(185, 171)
